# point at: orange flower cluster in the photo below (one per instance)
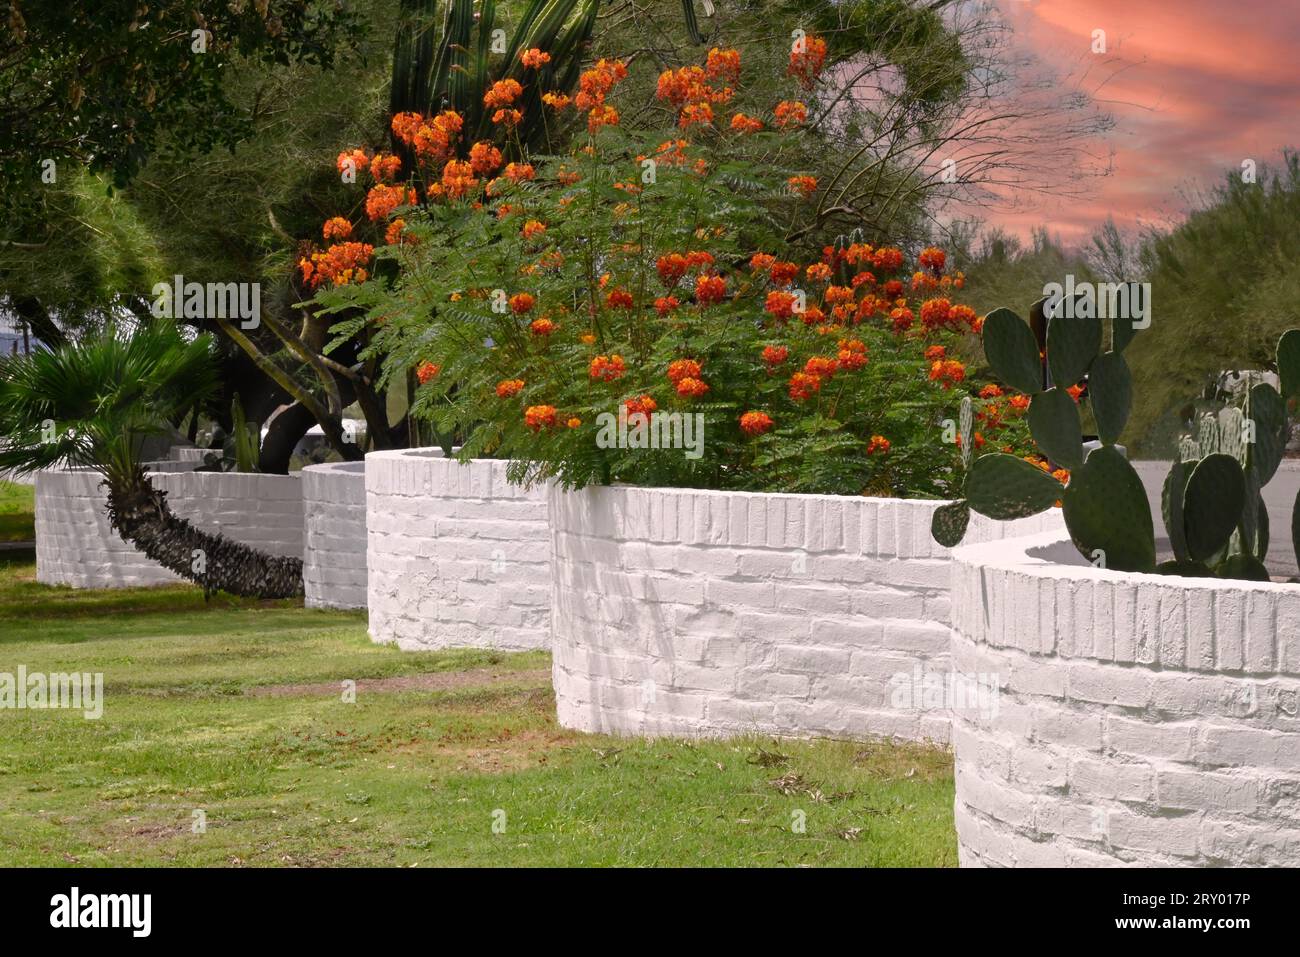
(641, 405)
(602, 115)
(932, 258)
(520, 172)
(538, 417)
(354, 160)
(782, 273)
(878, 443)
(852, 355)
(806, 60)
(509, 388)
(383, 199)
(803, 386)
(339, 265)
(821, 367)
(780, 304)
(457, 180)
(756, 423)
(710, 289)
(941, 313)
(741, 123)
(396, 233)
(607, 368)
(691, 388)
(484, 158)
(684, 374)
(534, 59)
(775, 355)
(556, 101)
(947, 372)
(723, 65)
(690, 91)
(790, 113)
(803, 185)
(522, 302)
(336, 227)
(385, 167)
(680, 369)
(541, 327)
(593, 86)
(619, 299)
(433, 138)
(532, 229)
(666, 304)
(695, 114)
(426, 371)
(502, 93)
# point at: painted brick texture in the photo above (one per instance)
(75, 545)
(686, 612)
(1141, 720)
(455, 555)
(334, 535)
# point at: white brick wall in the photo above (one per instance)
(75, 545)
(687, 612)
(1141, 719)
(456, 556)
(334, 535)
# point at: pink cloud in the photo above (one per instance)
(1195, 88)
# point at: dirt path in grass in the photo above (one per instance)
(436, 681)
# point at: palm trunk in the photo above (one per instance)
(142, 517)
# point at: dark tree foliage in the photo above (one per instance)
(100, 82)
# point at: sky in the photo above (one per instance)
(1195, 87)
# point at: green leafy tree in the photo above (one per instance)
(100, 83)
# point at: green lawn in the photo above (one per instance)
(235, 708)
(17, 512)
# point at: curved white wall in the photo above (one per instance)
(334, 535)
(75, 545)
(456, 555)
(1141, 719)
(688, 612)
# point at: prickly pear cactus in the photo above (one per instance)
(1105, 507)
(1213, 499)
(1211, 504)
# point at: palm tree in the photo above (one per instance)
(92, 404)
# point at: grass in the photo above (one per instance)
(17, 512)
(234, 709)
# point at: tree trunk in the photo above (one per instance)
(142, 517)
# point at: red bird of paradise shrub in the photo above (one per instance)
(555, 303)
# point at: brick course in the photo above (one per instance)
(455, 554)
(688, 612)
(1163, 725)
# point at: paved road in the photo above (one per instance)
(1279, 499)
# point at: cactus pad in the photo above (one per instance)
(1072, 345)
(1004, 487)
(1054, 423)
(1012, 351)
(1212, 505)
(1110, 390)
(1171, 507)
(1107, 513)
(948, 524)
(1288, 363)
